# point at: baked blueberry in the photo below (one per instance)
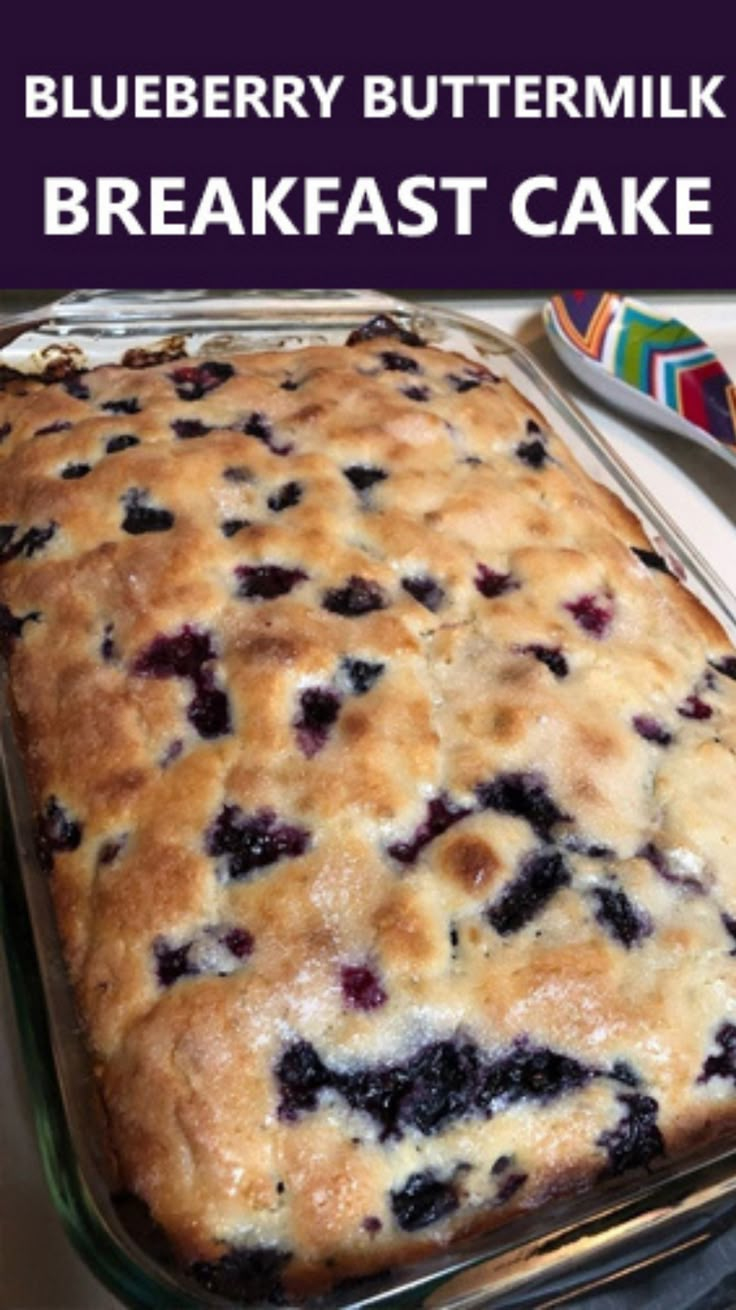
(110, 850)
(426, 590)
(722, 1065)
(72, 471)
(652, 560)
(140, 517)
(462, 383)
(11, 626)
(394, 362)
(190, 654)
(523, 795)
(123, 442)
(178, 656)
(490, 583)
(126, 405)
(509, 1186)
(209, 709)
(5, 431)
(362, 988)
(266, 581)
(622, 1072)
(302, 1077)
(258, 426)
(533, 453)
(139, 357)
(186, 428)
(661, 865)
(694, 707)
(594, 850)
(60, 425)
(286, 497)
(8, 544)
(172, 752)
(75, 387)
(419, 394)
(652, 730)
(192, 381)
(529, 1072)
(424, 1199)
(726, 665)
(246, 1274)
(729, 923)
(107, 645)
(592, 613)
(217, 950)
(551, 656)
(238, 941)
(541, 874)
(361, 675)
(501, 1164)
(363, 476)
(61, 831)
(356, 597)
(231, 527)
(237, 473)
(442, 813)
(57, 831)
(318, 711)
(439, 1084)
(36, 538)
(616, 912)
(172, 962)
(636, 1139)
(242, 842)
(382, 325)
(26, 545)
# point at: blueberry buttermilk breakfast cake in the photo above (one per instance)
(385, 780)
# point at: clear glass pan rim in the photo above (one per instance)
(509, 1260)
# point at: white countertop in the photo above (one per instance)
(38, 1268)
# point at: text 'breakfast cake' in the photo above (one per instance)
(386, 781)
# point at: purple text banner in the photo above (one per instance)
(329, 146)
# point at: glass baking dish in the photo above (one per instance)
(569, 1247)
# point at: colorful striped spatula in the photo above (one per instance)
(649, 366)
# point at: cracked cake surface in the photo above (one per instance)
(384, 776)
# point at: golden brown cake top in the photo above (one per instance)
(386, 777)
